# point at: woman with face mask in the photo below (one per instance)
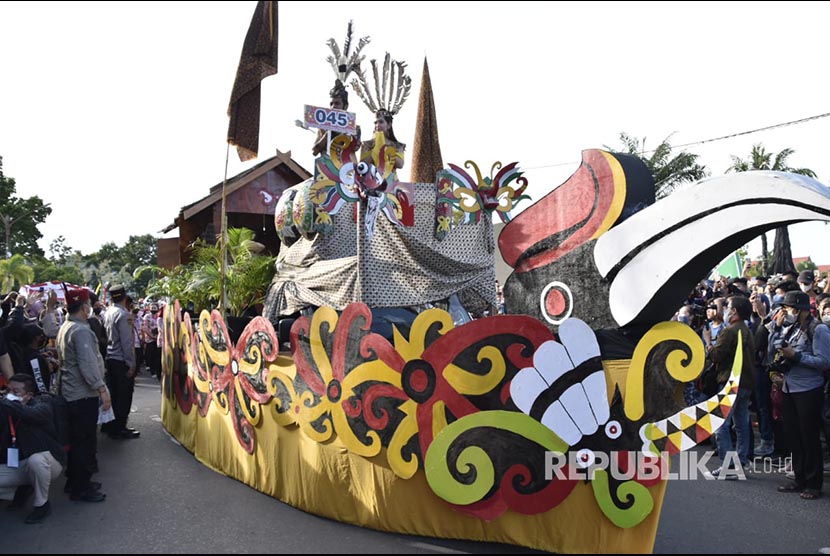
(806, 282)
(799, 345)
(30, 453)
(822, 303)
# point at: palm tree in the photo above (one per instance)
(668, 171)
(15, 271)
(760, 159)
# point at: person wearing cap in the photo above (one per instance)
(791, 275)
(81, 382)
(801, 345)
(806, 281)
(118, 322)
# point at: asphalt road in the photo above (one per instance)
(161, 500)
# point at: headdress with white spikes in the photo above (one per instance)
(391, 88)
(345, 62)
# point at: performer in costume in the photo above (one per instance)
(391, 91)
(343, 65)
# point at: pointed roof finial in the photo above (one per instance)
(426, 150)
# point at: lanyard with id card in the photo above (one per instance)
(12, 455)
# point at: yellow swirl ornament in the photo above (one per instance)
(472, 384)
(404, 468)
(679, 364)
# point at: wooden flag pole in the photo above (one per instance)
(223, 240)
(258, 60)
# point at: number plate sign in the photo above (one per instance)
(330, 119)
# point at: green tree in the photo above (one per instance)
(669, 171)
(14, 272)
(806, 265)
(20, 219)
(117, 265)
(756, 269)
(45, 270)
(761, 159)
(139, 251)
(59, 251)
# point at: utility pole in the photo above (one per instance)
(8, 222)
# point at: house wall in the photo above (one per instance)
(167, 250)
(251, 206)
(260, 196)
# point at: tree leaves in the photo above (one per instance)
(760, 159)
(14, 272)
(20, 217)
(669, 171)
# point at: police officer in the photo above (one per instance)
(118, 322)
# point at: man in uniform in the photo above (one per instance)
(118, 322)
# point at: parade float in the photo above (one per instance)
(378, 406)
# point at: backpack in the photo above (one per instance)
(60, 418)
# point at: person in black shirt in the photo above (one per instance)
(29, 450)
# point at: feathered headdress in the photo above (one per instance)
(391, 89)
(344, 63)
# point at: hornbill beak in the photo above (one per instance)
(655, 257)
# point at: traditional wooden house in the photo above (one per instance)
(250, 200)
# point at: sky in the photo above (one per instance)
(115, 113)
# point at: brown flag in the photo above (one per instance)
(258, 61)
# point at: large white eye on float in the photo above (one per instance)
(556, 302)
(362, 168)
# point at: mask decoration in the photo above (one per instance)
(463, 199)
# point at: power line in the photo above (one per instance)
(794, 122)
(802, 120)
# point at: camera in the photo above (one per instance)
(779, 363)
